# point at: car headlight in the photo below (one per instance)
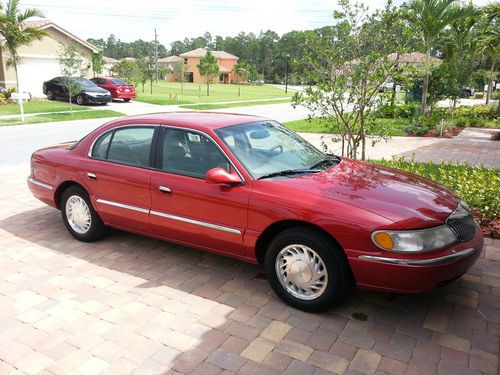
(414, 241)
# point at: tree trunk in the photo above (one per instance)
(426, 80)
(208, 87)
(151, 86)
(17, 77)
(490, 82)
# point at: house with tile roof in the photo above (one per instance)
(39, 60)
(225, 60)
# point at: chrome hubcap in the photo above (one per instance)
(78, 214)
(301, 271)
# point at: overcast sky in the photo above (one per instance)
(175, 20)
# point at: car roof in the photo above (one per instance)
(191, 119)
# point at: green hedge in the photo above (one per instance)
(478, 186)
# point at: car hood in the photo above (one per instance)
(408, 200)
(95, 89)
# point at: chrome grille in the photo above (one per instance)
(462, 224)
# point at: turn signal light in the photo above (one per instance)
(384, 240)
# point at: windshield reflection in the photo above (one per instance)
(267, 147)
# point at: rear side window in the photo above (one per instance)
(131, 146)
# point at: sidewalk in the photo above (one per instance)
(472, 146)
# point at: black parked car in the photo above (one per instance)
(87, 92)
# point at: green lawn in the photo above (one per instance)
(232, 105)
(52, 117)
(37, 106)
(193, 93)
(394, 127)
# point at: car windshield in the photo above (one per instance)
(117, 82)
(86, 82)
(268, 149)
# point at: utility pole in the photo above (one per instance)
(156, 55)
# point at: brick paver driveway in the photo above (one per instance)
(128, 304)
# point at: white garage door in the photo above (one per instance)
(33, 71)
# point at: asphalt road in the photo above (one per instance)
(17, 143)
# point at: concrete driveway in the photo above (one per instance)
(129, 304)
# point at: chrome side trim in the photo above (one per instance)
(39, 183)
(195, 222)
(121, 205)
(421, 262)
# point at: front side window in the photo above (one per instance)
(269, 147)
(190, 153)
(130, 145)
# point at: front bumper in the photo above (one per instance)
(98, 99)
(385, 271)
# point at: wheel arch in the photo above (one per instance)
(274, 229)
(61, 188)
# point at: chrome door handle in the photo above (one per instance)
(91, 175)
(164, 189)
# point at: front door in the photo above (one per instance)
(187, 209)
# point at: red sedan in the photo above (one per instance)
(118, 88)
(249, 188)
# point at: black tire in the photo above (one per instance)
(51, 95)
(96, 229)
(338, 273)
(80, 100)
(126, 100)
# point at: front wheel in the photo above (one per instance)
(307, 270)
(80, 100)
(51, 95)
(80, 218)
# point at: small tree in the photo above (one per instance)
(242, 71)
(208, 68)
(97, 63)
(349, 63)
(180, 70)
(147, 67)
(72, 66)
(128, 71)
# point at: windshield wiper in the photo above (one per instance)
(288, 172)
(327, 162)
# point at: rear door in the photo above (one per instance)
(119, 176)
(187, 209)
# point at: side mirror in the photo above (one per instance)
(221, 176)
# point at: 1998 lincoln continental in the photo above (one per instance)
(249, 188)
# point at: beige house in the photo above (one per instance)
(39, 60)
(169, 63)
(225, 60)
(109, 63)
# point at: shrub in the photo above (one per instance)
(398, 111)
(476, 185)
(477, 111)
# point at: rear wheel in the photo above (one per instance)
(51, 95)
(306, 269)
(126, 100)
(80, 218)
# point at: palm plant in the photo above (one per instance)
(15, 34)
(489, 41)
(430, 18)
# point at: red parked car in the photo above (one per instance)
(118, 88)
(249, 188)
